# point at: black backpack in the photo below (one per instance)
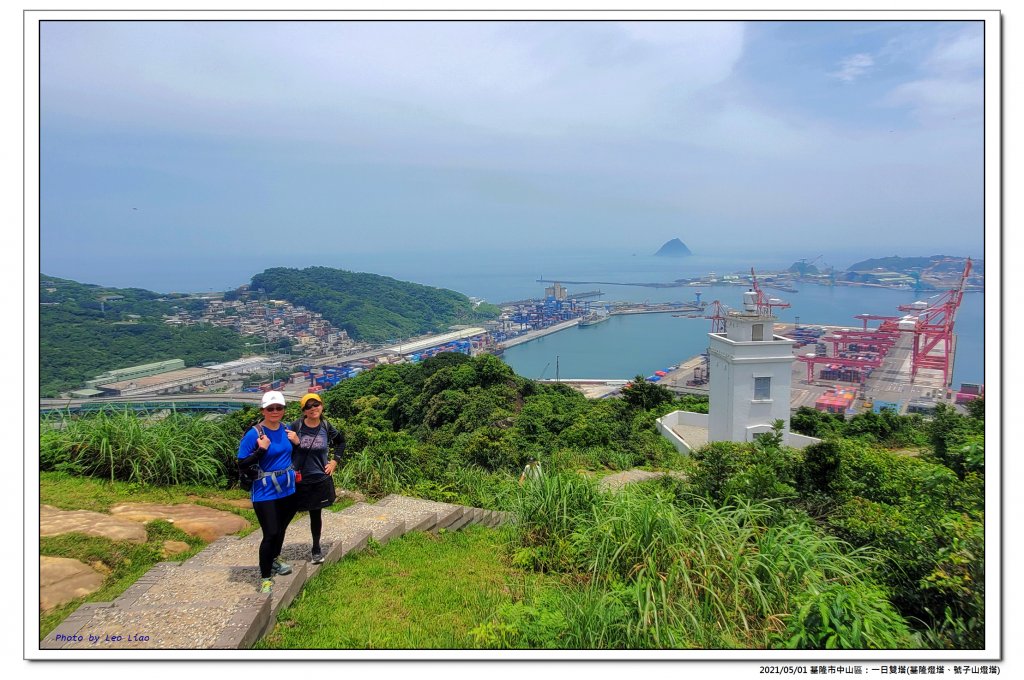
(248, 474)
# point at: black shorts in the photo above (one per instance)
(316, 495)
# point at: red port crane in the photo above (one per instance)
(888, 322)
(842, 340)
(717, 317)
(765, 303)
(933, 331)
(811, 361)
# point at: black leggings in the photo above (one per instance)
(316, 524)
(274, 517)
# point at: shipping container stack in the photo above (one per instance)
(805, 335)
(969, 392)
(836, 400)
(893, 406)
(837, 372)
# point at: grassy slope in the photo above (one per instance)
(424, 591)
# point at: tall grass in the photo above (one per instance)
(548, 512)
(120, 445)
(653, 572)
(376, 473)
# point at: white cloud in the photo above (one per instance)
(533, 79)
(952, 85)
(964, 55)
(936, 98)
(853, 67)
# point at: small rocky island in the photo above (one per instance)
(674, 248)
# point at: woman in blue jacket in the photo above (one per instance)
(273, 492)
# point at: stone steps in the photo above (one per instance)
(211, 600)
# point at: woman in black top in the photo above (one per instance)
(315, 490)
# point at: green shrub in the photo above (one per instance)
(843, 616)
(759, 471)
(480, 488)
(814, 423)
(641, 394)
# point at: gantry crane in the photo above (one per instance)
(933, 330)
(717, 316)
(764, 303)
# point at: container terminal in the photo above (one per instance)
(904, 364)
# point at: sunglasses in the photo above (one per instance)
(274, 408)
(311, 404)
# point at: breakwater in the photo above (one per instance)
(533, 335)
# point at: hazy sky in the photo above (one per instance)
(203, 140)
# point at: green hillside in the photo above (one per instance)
(86, 329)
(370, 307)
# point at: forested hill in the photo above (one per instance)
(86, 329)
(370, 307)
(938, 263)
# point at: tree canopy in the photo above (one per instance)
(370, 307)
(86, 329)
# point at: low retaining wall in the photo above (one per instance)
(799, 441)
(666, 423)
(676, 418)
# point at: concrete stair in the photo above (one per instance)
(211, 600)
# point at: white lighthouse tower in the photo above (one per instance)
(751, 373)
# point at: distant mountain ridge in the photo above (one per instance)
(673, 248)
(907, 264)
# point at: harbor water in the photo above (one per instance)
(640, 344)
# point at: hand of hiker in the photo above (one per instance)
(331, 467)
(263, 441)
(292, 436)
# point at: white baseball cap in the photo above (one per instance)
(272, 398)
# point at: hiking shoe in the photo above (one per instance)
(318, 557)
(281, 567)
(267, 587)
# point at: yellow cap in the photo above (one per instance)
(302, 402)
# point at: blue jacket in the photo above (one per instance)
(277, 457)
